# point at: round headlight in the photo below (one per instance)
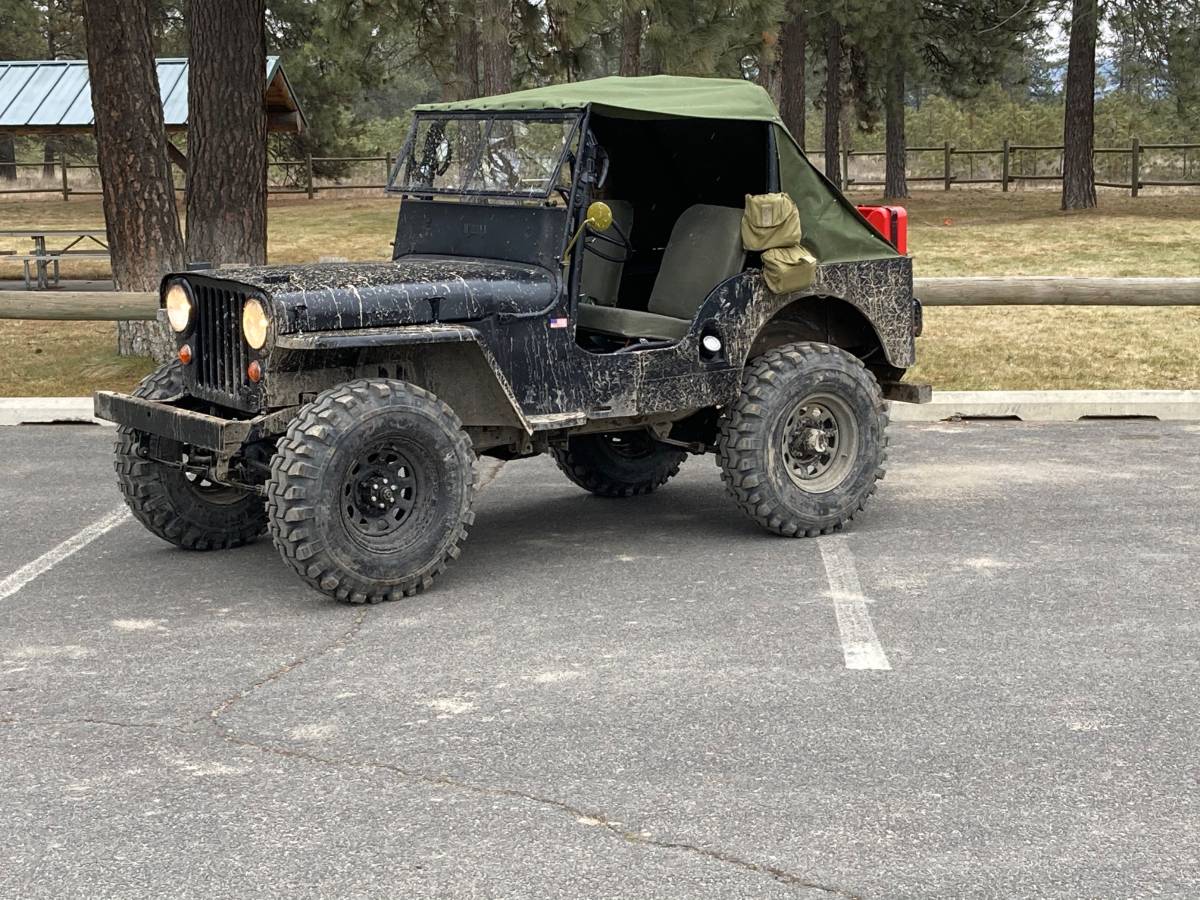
(179, 306)
(254, 323)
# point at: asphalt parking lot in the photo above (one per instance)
(988, 687)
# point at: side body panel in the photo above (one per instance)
(548, 373)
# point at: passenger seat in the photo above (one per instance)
(705, 249)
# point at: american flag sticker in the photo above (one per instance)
(558, 323)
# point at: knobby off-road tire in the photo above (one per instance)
(371, 489)
(620, 464)
(186, 511)
(803, 447)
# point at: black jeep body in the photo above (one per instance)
(487, 302)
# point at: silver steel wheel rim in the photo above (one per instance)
(820, 442)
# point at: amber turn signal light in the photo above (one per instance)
(185, 354)
(254, 372)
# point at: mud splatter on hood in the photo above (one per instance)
(409, 291)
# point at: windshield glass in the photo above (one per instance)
(512, 156)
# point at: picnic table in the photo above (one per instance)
(44, 257)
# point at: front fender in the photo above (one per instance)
(450, 361)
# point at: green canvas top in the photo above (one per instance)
(833, 229)
(664, 95)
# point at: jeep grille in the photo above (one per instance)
(220, 352)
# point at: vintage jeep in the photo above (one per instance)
(569, 276)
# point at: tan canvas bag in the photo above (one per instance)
(770, 220)
(788, 269)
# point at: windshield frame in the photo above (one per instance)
(573, 116)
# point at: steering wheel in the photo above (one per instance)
(621, 241)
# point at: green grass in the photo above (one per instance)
(955, 233)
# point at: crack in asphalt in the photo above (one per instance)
(580, 814)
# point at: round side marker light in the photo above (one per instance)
(185, 354)
(254, 371)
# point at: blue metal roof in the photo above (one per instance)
(48, 94)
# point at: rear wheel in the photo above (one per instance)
(370, 490)
(178, 505)
(804, 445)
(618, 464)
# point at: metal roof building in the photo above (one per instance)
(55, 96)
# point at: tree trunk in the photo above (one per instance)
(833, 99)
(766, 63)
(463, 81)
(896, 182)
(48, 157)
(792, 73)
(8, 158)
(227, 133)
(631, 39)
(496, 52)
(139, 201)
(1079, 174)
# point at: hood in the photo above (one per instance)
(408, 291)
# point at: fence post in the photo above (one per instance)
(65, 189)
(845, 168)
(1004, 168)
(308, 174)
(1135, 153)
(387, 168)
(946, 164)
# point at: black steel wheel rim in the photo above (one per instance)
(380, 490)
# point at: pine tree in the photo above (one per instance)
(139, 199)
(495, 35)
(1079, 126)
(227, 133)
(793, 40)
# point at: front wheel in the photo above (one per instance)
(804, 445)
(370, 490)
(178, 505)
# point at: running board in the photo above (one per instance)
(554, 421)
(906, 392)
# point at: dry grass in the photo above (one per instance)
(1034, 348)
(959, 233)
(1025, 233)
(63, 359)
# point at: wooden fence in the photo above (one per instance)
(1009, 165)
(284, 176)
(1006, 165)
(1036, 290)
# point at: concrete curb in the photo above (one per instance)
(47, 411)
(1052, 406)
(1027, 406)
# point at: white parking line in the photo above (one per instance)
(860, 646)
(52, 558)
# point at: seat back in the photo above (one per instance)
(600, 279)
(705, 248)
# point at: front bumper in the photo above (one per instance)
(224, 436)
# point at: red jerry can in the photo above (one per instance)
(891, 222)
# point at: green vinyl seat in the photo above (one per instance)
(705, 248)
(601, 277)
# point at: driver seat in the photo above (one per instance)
(705, 249)
(600, 278)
